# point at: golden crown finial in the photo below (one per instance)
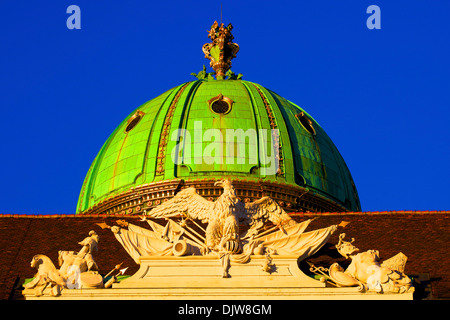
(221, 50)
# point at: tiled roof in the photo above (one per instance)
(423, 236)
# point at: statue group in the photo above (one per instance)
(77, 269)
(229, 230)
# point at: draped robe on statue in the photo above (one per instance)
(290, 241)
(141, 242)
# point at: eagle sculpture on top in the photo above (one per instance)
(223, 215)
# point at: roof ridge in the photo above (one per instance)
(72, 215)
(374, 212)
(69, 215)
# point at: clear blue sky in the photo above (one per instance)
(383, 96)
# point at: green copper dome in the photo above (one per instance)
(205, 130)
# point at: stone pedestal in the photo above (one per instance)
(195, 272)
(200, 278)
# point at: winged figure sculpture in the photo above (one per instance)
(266, 229)
(224, 215)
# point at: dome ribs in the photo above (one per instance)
(255, 107)
(160, 159)
(273, 125)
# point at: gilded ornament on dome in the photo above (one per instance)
(221, 50)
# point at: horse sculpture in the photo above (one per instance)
(77, 269)
(46, 275)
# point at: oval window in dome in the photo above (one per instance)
(134, 120)
(220, 104)
(306, 123)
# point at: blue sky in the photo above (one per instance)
(383, 96)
